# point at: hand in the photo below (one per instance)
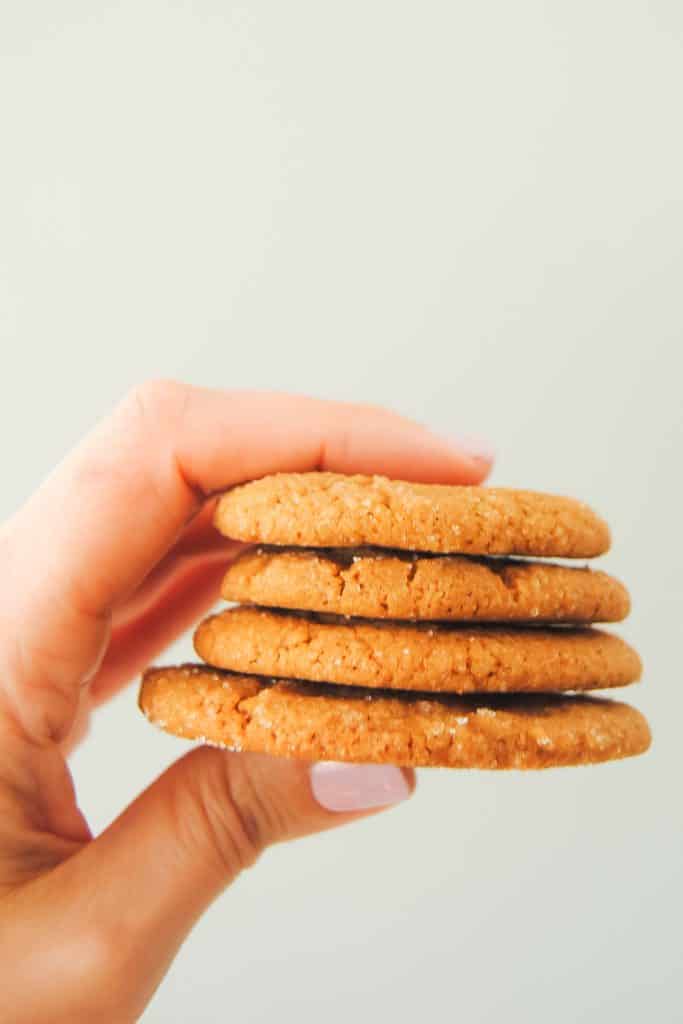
(111, 559)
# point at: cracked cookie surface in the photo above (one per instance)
(409, 656)
(317, 722)
(397, 585)
(332, 510)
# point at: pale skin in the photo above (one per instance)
(110, 560)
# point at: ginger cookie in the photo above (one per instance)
(332, 510)
(335, 723)
(379, 584)
(410, 656)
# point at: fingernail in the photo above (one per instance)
(475, 447)
(357, 787)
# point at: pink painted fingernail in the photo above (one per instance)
(475, 447)
(357, 787)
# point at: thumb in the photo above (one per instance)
(132, 895)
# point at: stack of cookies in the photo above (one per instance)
(383, 621)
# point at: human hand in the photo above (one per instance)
(106, 564)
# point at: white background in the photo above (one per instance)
(473, 213)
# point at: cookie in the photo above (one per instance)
(429, 658)
(331, 510)
(328, 723)
(394, 585)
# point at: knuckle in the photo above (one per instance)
(219, 811)
(371, 410)
(347, 424)
(264, 812)
(107, 956)
(104, 950)
(158, 401)
(148, 425)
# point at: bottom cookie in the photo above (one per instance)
(322, 722)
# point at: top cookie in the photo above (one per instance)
(332, 510)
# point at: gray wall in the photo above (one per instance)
(473, 213)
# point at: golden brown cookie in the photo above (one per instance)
(331, 510)
(373, 583)
(339, 724)
(408, 656)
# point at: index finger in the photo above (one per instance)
(115, 506)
